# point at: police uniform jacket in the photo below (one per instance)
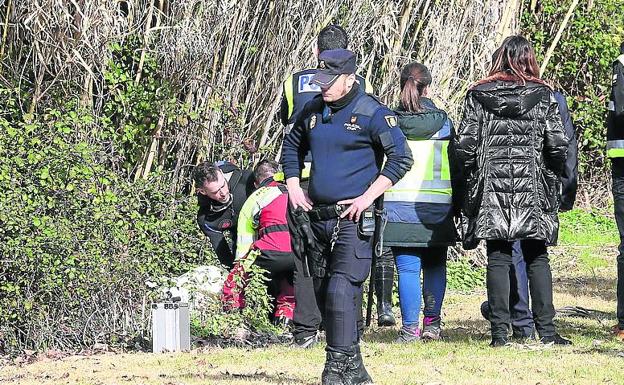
(615, 117)
(347, 146)
(569, 177)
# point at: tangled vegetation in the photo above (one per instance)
(105, 107)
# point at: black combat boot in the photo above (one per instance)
(384, 280)
(345, 369)
(356, 373)
(335, 365)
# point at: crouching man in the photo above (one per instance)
(263, 239)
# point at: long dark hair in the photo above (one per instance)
(415, 77)
(514, 61)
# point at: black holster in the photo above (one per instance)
(304, 244)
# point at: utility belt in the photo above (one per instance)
(366, 224)
(326, 212)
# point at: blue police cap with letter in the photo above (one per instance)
(333, 63)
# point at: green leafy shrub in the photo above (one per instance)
(210, 320)
(461, 275)
(580, 65)
(590, 228)
(77, 241)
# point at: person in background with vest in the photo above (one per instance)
(420, 224)
(222, 188)
(348, 133)
(511, 148)
(522, 325)
(615, 151)
(263, 239)
(297, 91)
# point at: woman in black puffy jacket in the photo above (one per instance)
(511, 150)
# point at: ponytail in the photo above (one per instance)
(415, 77)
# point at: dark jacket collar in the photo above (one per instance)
(421, 125)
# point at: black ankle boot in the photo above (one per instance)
(335, 365)
(497, 342)
(555, 339)
(384, 280)
(345, 369)
(356, 373)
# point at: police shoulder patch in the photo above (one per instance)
(391, 120)
(312, 121)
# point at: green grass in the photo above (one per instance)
(587, 228)
(584, 275)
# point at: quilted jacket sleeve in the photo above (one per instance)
(463, 151)
(466, 138)
(555, 139)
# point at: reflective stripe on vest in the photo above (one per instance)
(429, 180)
(418, 196)
(615, 148)
(288, 93)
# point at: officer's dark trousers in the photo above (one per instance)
(540, 280)
(521, 316)
(341, 290)
(617, 172)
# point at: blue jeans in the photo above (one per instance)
(410, 261)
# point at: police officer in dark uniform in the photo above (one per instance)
(348, 133)
(297, 91)
(222, 189)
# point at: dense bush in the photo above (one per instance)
(77, 241)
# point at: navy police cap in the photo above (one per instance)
(333, 63)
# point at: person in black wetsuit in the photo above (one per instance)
(222, 188)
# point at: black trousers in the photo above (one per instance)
(540, 285)
(279, 266)
(341, 289)
(307, 317)
(617, 173)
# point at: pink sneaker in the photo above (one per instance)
(431, 328)
(408, 334)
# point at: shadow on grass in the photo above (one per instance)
(600, 287)
(580, 327)
(466, 332)
(261, 377)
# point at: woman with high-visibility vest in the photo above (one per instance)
(419, 211)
